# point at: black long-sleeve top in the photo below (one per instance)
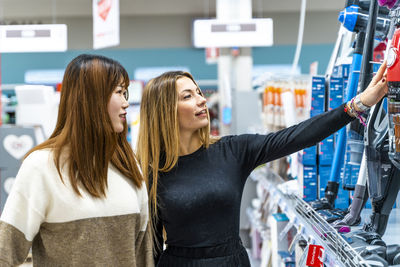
(199, 199)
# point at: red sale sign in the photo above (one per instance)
(314, 256)
(103, 8)
(105, 23)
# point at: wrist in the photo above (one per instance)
(349, 109)
(358, 105)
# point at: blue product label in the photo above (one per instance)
(323, 173)
(326, 151)
(315, 112)
(318, 94)
(309, 183)
(335, 71)
(310, 156)
(345, 70)
(318, 102)
(280, 217)
(335, 92)
(318, 83)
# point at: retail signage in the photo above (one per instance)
(17, 146)
(243, 33)
(37, 105)
(44, 77)
(105, 23)
(147, 73)
(315, 256)
(33, 38)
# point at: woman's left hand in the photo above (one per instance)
(376, 89)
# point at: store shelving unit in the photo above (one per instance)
(309, 224)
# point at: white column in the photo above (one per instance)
(237, 69)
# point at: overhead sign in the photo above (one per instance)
(147, 73)
(105, 23)
(44, 77)
(243, 33)
(33, 38)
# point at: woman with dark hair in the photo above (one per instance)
(196, 181)
(79, 198)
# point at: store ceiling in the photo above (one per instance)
(17, 9)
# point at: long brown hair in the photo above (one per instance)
(84, 139)
(159, 131)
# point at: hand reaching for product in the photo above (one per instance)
(376, 89)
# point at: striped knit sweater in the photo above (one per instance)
(64, 229)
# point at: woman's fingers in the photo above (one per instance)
(381, 72)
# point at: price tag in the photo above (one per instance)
(303, 258)
(314, 256)
(298, 236)
(294, 242)
(285, 230)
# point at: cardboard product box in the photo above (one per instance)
(324, 172)
(335, 71)
(341, 71)
(317, 103)
(346, 70)
(310, 190)
(318, 83)
(335, 93)
(335, 99)
(317, 95)
(309, 183)
(348, 183)
(314, 113)
(309, 156)
(326, 151)
(345, 83)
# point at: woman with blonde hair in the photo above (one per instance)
(196, 182)
(79, 198)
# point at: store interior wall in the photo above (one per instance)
(165, 40)
(15, 65)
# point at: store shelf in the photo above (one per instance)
(309, 223)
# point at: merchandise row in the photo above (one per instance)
(299, 233)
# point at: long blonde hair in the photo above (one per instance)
(84, 130)
(159, 131)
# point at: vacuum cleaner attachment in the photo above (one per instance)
(390, 4)
(355, 19)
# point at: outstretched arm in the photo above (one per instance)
(257, 149)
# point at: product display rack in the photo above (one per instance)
(309, 224)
